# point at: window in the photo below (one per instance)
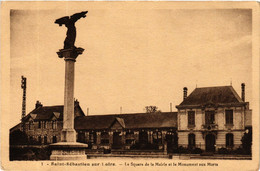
(44, 124)
(229, 140)
(191, 140)
(191, 118)
(39, 124)
(210, 117)
(143, 137)
(54, 139)
(92, 137)
(157, 137)
(81, 137)
(30, 140)
(229, 117)
(45, 139)
(30, 125)
(40, 140)
(104, 138)
(129, 137)
(54, 125)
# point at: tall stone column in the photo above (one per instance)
(68, 133)
(68, 148)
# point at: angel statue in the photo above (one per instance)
(69, 22)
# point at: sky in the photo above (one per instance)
(133, 58)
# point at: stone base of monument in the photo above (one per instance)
(68, 151)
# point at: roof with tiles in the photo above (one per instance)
(128, 121)
(215, 95)
(48, 112)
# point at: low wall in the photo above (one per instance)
(138, 152)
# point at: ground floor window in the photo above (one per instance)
(81, 137)
(104, 138)
(39, 139)
(45, 139)
(30, 139)
(157, 137)
(129, 137)
(54, 139)
(191, 139)
(143, 137)
(92, 137)
(229, 140)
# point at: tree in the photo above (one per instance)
(247, 141)
(18, 138)
(151, 109)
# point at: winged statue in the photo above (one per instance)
(69, 22)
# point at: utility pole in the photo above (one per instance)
(23, 86)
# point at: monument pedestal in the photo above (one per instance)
(68, 151)
(68, 148)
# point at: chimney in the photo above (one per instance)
(76, 102)
(185, 91)
(38, 104)
(243, 92)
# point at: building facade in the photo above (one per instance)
(43, 125)
(155, 131)
(211, 118)
(128, 131)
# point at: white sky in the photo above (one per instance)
(132, 58)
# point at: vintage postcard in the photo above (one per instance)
(129, 85)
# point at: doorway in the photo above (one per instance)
(143, 137)
(210, 143)
(117, 140)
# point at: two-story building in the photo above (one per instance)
(43, 125)
(213, 117)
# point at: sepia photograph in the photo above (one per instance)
(130, 85)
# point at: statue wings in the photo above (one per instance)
(74, 18)
(77, 16)
(62, 20)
